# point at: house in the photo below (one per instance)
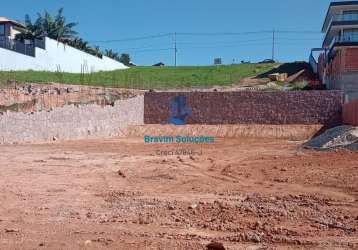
(46, 54)
(10, 28)
(337, 64)
(160, 64)
(8, 31)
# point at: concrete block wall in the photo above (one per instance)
(71, 122)
(56, 56)
(296, 107)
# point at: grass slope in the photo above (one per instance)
(147, 77)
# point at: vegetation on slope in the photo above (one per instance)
(147, 77)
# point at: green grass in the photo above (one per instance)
(147, 77)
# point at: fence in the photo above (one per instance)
(350, 113)
(18, 46)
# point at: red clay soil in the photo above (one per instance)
(119, 194)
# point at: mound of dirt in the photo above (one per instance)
(338, 137)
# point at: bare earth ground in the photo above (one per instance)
(244, 193)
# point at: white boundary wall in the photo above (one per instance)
(57, 56)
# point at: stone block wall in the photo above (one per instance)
(71, 122)
(296, 107)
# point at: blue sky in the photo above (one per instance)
(118, 19)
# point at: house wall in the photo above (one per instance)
(56, 56)
(277, 108)
(10, 30)
(14, 32)
(342, 72)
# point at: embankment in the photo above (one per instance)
(71, 122)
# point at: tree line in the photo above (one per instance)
(56, 27)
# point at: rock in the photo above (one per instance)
(120, 173)
(273, 198)
(256, 238)
(215, 246)
(11, 230)
(88, 242)
(193, 206)
(258, 224)
(253, 237)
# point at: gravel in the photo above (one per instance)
(338, 137)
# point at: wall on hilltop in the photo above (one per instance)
(296, 107)
(57, 57)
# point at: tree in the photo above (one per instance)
(125, 59)
(79, 43)
(57, 28)
(63, 31)
(111, 54)
(97, 51)
(32, 30)
(49, 26)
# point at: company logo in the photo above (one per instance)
(180, 112)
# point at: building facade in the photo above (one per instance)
(9, 28)
(338, 60)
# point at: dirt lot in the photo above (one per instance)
(119, 194)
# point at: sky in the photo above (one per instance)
(233, 30)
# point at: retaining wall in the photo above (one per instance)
(71, 122)
(350, 113)
(297, 107)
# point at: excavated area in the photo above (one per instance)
(244, 193)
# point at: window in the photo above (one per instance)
(351, 15)
(350, 35)
(2, 29)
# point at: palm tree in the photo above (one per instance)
(32, 30)
(97, 51)
(111, 54)
(63, 31)
(79, 43)
(52, 27)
